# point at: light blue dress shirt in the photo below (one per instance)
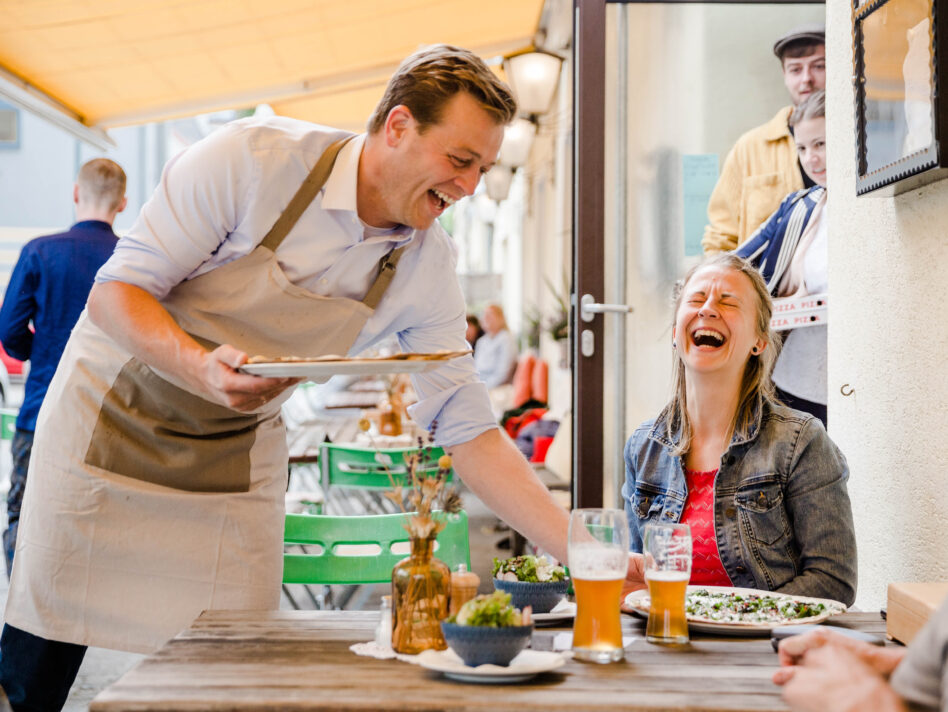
(217, 200)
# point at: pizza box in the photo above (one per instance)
(909, 607)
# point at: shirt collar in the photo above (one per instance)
(339, 192)
(101, 224)
(778, 127)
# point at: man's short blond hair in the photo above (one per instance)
(426, 80)
(101, 183)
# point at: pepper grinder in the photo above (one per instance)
(464, 585)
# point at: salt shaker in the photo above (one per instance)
(383, 634)
(464, 585)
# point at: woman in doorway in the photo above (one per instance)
(790, 250)
(762, 486)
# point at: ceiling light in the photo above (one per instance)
(497, 182)
(533, 76)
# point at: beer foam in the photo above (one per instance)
(596, 562)
(667, 575)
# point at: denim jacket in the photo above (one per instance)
(782, 515)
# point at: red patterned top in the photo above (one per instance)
(706, 566)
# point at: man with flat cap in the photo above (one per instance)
(763, 168)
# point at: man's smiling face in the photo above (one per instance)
(440, 164)
(804, 75)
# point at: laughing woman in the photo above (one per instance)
(762, 486)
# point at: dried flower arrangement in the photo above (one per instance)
(420, 583)
(428, 494)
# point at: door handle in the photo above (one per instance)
(588, 308)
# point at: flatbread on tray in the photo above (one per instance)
(739, 607)
(436, 356)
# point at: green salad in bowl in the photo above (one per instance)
(488, 630)
(532, 581)
(529, 568)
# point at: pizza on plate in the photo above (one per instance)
(745, 607)
(405, 356)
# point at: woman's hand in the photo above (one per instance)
(634, 575)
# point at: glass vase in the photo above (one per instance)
(420, 586)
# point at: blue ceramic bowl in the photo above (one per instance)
(542, 596)
(482, 645)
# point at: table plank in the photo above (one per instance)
(256, 660)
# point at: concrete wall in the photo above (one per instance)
(888, 336)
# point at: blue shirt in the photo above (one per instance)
(49, 287)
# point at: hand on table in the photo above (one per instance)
(793, 650)
(828, 676)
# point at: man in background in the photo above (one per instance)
(762, 167)
(49, 288)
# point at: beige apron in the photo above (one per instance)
(145, 503)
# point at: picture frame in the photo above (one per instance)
(901, 108)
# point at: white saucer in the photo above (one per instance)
(527, 664)
(562, 611)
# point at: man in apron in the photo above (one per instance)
(156, 485)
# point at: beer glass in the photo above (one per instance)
(598, 551)
(667, 549)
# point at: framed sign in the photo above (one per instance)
(900, 83)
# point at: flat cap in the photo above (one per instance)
(816, 33)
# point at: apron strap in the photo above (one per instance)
(386, 273)
(304, 196)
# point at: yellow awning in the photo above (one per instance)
(107, 63)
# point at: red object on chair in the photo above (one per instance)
(523, 380)
(539, 381)
(540, 446)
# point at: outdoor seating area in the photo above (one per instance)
(544, 355)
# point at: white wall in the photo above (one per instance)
(888, 337)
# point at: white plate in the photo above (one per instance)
(562, 611)
(636, 603)
(527, 664)
(348, 366)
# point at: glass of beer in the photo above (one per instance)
(667, 549)
(598, 559)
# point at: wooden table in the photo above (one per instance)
(300, 660)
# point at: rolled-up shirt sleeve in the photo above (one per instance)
(197, 204)
(452, 395)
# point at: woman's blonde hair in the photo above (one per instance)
(498, 312)
(756, 385)
(813, 107)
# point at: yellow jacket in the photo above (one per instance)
(759, 172)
